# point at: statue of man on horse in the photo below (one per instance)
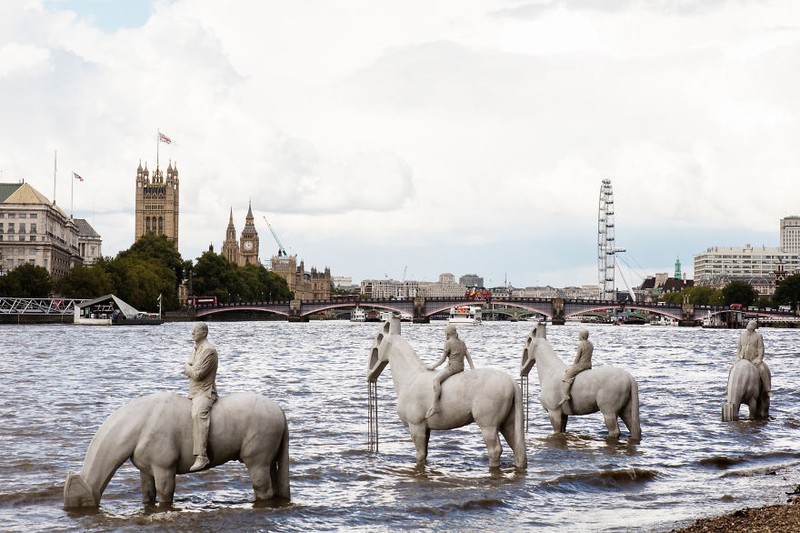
(455, 351)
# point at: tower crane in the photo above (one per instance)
(281, 250)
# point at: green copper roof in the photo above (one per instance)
(7, 189)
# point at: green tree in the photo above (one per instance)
(705, 296)
(86, 282)
(739, 292)
(214, 275)
(788, 292)
(140, 281)
(696, 295)
(157, 248)
(27, 281)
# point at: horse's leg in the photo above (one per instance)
(507, 430)
(261, 480)
(752, 405)
(764, 405)
(420, 435)
(148, 487)
(612, 424)
(493, 447)
(165, 483)
(627, 419)
(558, 420)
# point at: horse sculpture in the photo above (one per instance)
(610, 390)
(155, 433)
(489, 397)
(745, 386)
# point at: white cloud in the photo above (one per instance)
(467, 136)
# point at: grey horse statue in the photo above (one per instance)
(155, 433)
(610, 390)
(745, 386)
(487, 396)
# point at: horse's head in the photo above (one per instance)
(529, 353)
(378, 355)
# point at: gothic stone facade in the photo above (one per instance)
(157, 203)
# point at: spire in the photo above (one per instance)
(250, 210)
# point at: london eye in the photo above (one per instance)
(605, 241)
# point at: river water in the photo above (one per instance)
(62, 381)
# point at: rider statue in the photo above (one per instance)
(454, 352)
(201, 369)
(583, 361)
(751, 347)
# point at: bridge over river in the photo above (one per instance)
(555, 310)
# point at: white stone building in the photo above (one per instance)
(35, 231)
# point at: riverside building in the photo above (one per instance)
(34, 230)
(719, 265)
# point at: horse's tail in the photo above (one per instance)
(280, 468)
(520, 452)
(633, 405)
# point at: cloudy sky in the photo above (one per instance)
(417, 137)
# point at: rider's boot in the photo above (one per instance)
(200, 463)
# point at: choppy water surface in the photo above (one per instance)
(61, 382)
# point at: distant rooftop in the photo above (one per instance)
(7, 189)
(85, 229)
(24, 194)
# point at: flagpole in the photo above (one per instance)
(71, 195)
(158, 141)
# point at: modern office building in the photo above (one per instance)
(471, 280)
(790, 234)
(719, 265)
(389, 288)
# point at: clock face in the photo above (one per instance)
(248, 245)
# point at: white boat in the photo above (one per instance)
(386, 315)
(465, 314)
(358, 315)
(406, 317)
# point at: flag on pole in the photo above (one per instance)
(163, 138)
(76, 176)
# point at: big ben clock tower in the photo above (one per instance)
(248, 242)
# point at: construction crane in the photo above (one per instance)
(281, 250)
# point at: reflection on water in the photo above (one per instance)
(62, 381)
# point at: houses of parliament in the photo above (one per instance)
(157, 211)
(244, 250)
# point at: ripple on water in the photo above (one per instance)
(67, 380)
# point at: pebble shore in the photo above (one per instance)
(770, 518)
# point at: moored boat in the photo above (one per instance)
(358, 315)
(465, 314)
